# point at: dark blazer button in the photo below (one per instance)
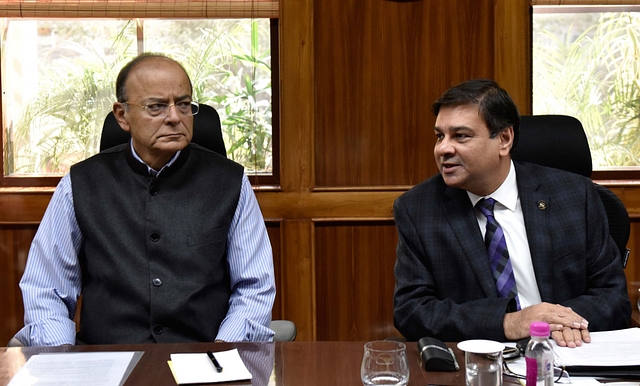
(153, 190)
(157, 329)
(157, 282)
(155, 237)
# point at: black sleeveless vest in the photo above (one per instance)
(154, 252)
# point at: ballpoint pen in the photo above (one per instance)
(214, 361)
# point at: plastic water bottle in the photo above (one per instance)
(539, 356)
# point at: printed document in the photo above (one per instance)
(77, 369)
(607, 348)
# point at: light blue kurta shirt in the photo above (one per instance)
(52, 281)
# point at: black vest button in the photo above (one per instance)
(155, 237)
(153, 190)
(157, 329)
(157, 282)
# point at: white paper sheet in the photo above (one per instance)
(197, 367)
(74, 369)
(608, 348)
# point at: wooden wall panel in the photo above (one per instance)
(14, 247)
(298, 288)
(297, 109)
(274, 236)
(354, 280)
(357, 79)
(513, 51)
(379, 67)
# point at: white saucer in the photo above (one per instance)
(481, 346)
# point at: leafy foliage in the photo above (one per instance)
(230, 72)
(224, 58)
(591, 71)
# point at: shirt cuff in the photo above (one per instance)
(48, 332)
(244, 330)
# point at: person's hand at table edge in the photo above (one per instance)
(567, 327)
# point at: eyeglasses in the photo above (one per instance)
(161, 110)
(559, 373)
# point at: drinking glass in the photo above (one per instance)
(384, 363)
(483, 362)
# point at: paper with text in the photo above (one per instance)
(75, 369)
(607, 348)
(197, 368)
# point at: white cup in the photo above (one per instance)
(483, 362)
(384, 363)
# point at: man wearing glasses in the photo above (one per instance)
(164, 239)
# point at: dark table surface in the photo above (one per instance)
(279, 363)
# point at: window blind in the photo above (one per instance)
(585, 2)
(129, 9)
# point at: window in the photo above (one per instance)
(58, 78)
(586, 63)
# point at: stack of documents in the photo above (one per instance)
(610, 353)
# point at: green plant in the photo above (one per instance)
(225, 59)
(62, 125)
(231, 70)
(248, 106)
(592, 73)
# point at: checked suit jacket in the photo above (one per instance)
(444, 285)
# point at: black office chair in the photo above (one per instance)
(207, 131)
(559, 141)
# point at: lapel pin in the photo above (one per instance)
(542, 205)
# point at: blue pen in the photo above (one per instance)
(214, 361)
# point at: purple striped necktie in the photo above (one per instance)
(496, 245)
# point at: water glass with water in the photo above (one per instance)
(483, 362)
(384, 363)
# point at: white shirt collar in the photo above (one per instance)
(506, 194)
(152, 171)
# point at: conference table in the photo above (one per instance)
(280, 363)
(635, 318)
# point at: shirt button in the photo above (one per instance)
(157, 329)
(157, 282)
(153, 190)
(155, 237)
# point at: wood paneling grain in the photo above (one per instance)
(23, 206)
(324, 206)
(630, 196)
(14, 247)
(513, 44)
(274, 236)
(379, 67)
(298, 272)
(354, 271)
(297, 104)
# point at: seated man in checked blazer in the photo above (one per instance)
(489, 245)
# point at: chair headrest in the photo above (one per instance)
(207, 131)
(558, 141)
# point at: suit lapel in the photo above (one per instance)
(536, 209)
(461, 217)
